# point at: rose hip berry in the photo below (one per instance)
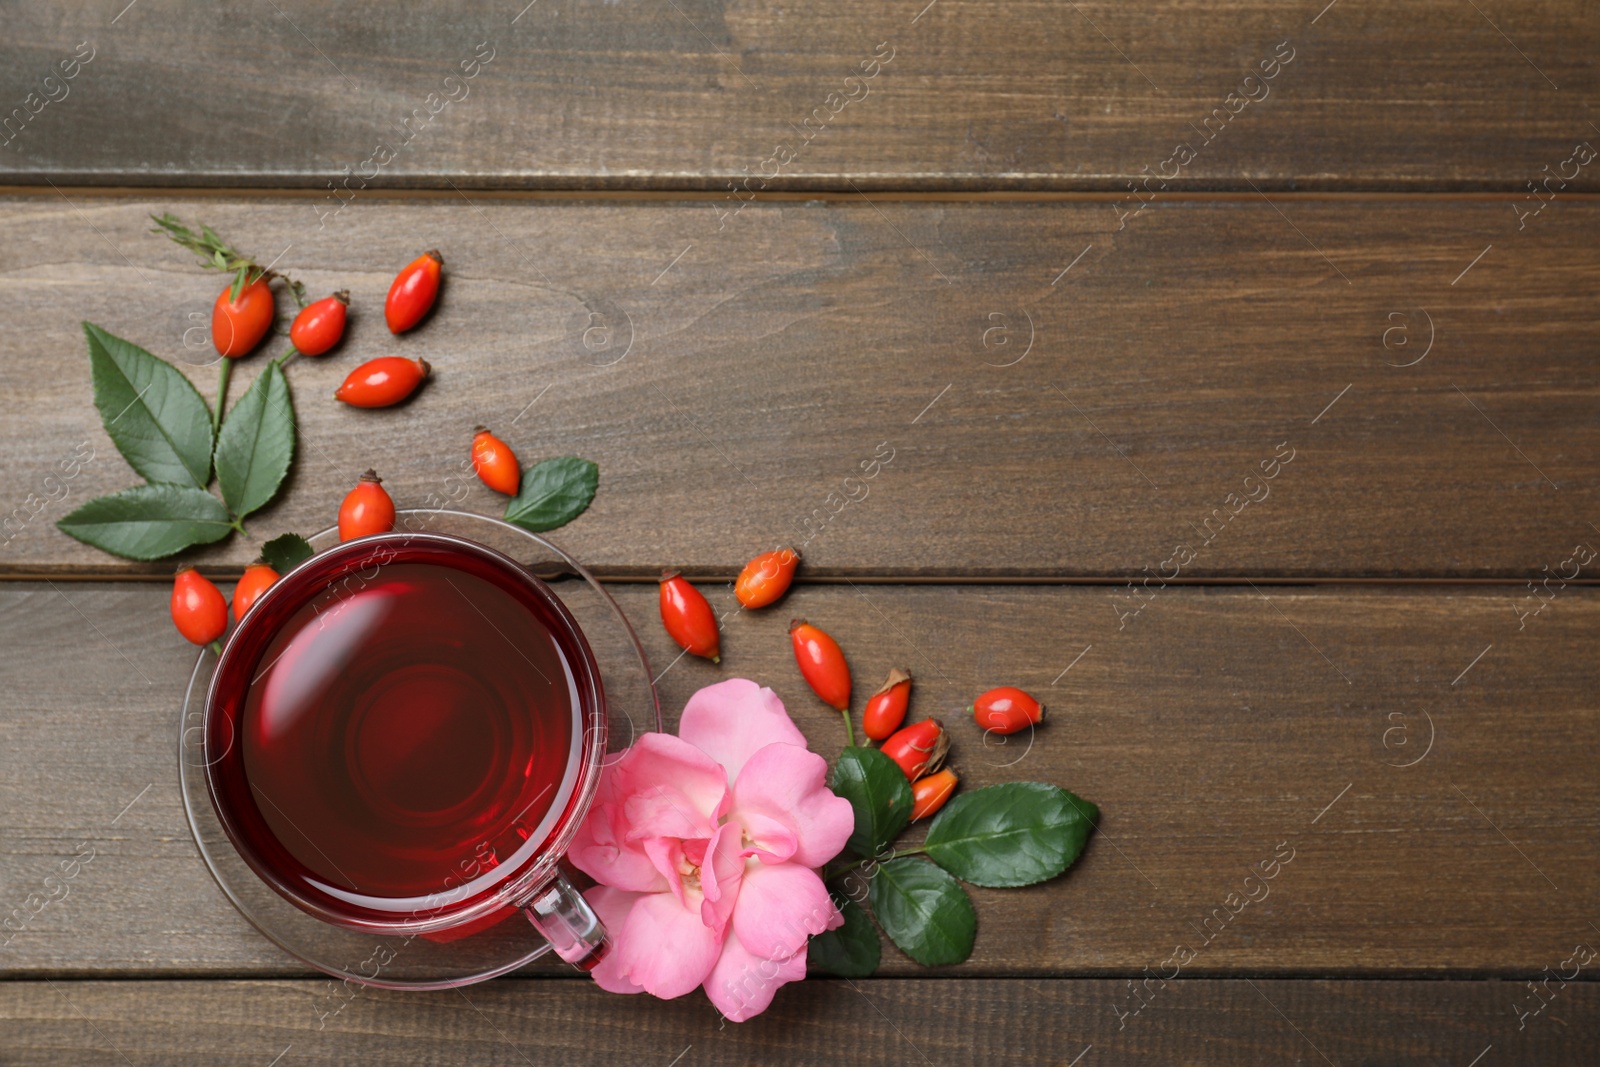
(919, 749)
(320, 326)
(886, 709)
(495, 463)
(929, 794)
(198, 609)
(413, 292)
(238, 326)
(766, 578)
(823, 664)
(367, 509)
(381, 382)
(1006, 710)
(258, 578)
(688, 618)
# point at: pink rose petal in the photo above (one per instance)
(664, 946)
(720, 878)
(742, 985)
(732, 720)
(789, 785)
(779, 907)
(613, 907)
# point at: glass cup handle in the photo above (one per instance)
(559, 912)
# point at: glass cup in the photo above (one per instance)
(403, 736)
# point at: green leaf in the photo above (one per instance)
(877, 789)
(851, 951)
(149, 521)
(1013, 834)
(286, 552)
(155, 416)
(554, 493)
(256, 443)
(924, 911)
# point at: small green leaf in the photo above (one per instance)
(924, 911)
(149, 521)
(554, 493)
(286, 552)
(256, 443)
(851, 951)
(877, 789)
(1013, 834)
(155, 416)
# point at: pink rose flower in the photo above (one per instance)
(706, 846)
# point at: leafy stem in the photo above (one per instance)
(223, 373)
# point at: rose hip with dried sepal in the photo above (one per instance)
(886, 709)
(367, 509)
(1006, 710)
(919, 749)
(198, 609)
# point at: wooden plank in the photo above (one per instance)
(1215, 731)
(981, 94)
(748, 377)
(883, 1021)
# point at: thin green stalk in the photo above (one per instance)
(216, 646)
(287, 358)
(222, 395)
(847, 868)
(849, 730)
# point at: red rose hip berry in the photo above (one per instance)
(320, 326)
(367, 509)
(198, 609)
(1006, 710)
(886, 709)
(822, 662)
(237, 326)
(413, 292)
(919, 749)
(495, 463)
(688, 618)
(258, 578)
(382, 382)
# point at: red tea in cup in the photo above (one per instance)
(403, 734)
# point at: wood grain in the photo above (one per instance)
(1427, 94)
(750, 374)
(1217, 729)
(886, 1021)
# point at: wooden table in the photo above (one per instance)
(1082, 269)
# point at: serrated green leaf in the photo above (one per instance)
(1013, 834)
(256, 444)
(924, 911)
(155, 416)
(553, 493)
(149, 521)
(286, 552)
(877, 789)
(852, 950)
